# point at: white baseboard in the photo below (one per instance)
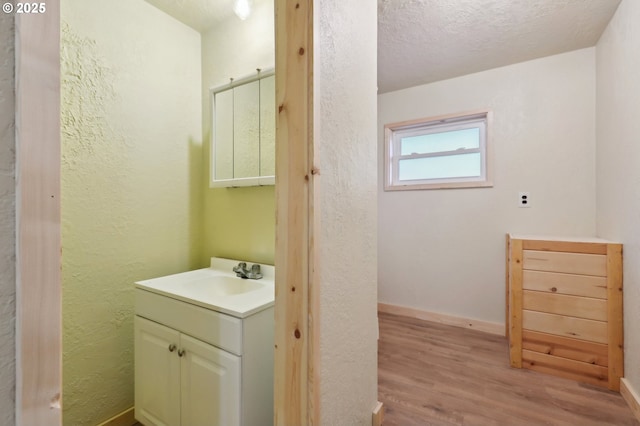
(473, 324)
(630, 396)
(126, 418)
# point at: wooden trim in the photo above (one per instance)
(515, 304)
(38, 241)
(615, 315)
(630, 396)
(313, 313)
(126, 418)
(506, 286)
(378, 415)
(296, 387)
(473, 324)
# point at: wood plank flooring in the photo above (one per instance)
(433, 374)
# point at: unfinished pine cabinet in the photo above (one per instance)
(564, 308)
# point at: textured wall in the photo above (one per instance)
(443, 250)
(239, 222)
(345, 153)
(131, 185)
(618, 166)
(7, 222)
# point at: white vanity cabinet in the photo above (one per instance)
(157, 374)
(182, 380)
(195, 366)
(207, 370)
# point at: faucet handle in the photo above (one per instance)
(241, 270)
(255, 272)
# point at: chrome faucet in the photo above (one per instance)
(244, 273)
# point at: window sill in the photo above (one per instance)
(442, 185)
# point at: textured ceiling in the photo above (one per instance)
(421, 41)
(198, 14)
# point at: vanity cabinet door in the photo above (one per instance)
(210, 384)
(157, 374)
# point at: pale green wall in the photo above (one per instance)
(131, 185)
(239, 222)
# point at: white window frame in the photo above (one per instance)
(395, 131)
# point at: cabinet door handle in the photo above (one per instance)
(172, 347)
(181, 352)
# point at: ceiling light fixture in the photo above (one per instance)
(242, 8)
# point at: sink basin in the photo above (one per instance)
(223, 285)
(217, 288)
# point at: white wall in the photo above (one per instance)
(7, 222)
(444, 250)
(618, 165)
(345, 153)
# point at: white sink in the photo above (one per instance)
(217, 288)
(223, 285)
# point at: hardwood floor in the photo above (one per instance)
(433, 374)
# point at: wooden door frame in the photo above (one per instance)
(38, 227)
(297, 299)
(38, 280)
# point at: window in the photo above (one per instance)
(440, 152)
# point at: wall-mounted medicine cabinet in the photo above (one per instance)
(243, 132)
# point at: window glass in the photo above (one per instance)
(440, 142)
(444, 167)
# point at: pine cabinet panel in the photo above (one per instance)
(570, 284)
(573, 306)
(565, 325)
(568, 263)
(564, 308)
